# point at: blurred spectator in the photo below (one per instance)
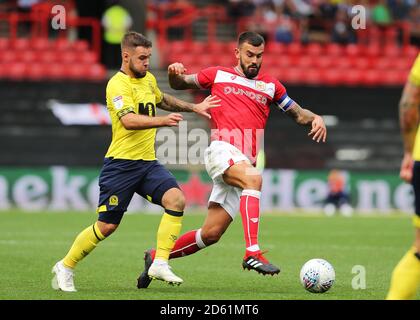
(116, 21)
(399, 9)
(342, 31)
(284, 29)
(338, 197)
(414, 21)
(381, 14)
(237, 9)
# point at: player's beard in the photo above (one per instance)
(136, 73)
(250, 73)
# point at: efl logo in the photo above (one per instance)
(59, 20)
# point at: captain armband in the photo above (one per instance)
(124, 111)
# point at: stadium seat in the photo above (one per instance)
(96, 72)
(305, 61)
(312, 76)
(353, 50)
(341, 63)
(334, 49)
(314, 49)
(49, 56)
(402, 64)
(332, 77)
(292, 76)
(69, 56)
(29, 56)
(392, 51)
(352, 77)
(372, 50)
(361, 63)
(62, 44)
(371, 78)
(4, 43)
(7, 56)
(392, 78)
(383, 63)
(40, 44)
(284, 61)
(87, 57)
(275, 48)
(21, 43)
(81, 45)
(323, 61)
(410, 51)
(56, 71)
(16, 70)
(36, 71)
(294, 48)
(178, 46)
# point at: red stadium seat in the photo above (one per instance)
(371, 78)
(333, 49)
(81, 45)
(312, 76)
(372, 50)
(383, 63)
(392, 78)
(402, 64)
(40, 44)
(314, 49)
(275, 48)
(16, 71)
(4, 44)
(87, 57)
(96, 72)
(76, 71)
(305, 61)
(205, 60)
(323, 62)
(29, 56)
(69, 56)
(292, 76)
(178, 46)
(197, 47)
(410, 51)
(56, 71)
(36, 71)
(7, 56)
(341, 63)
(49, 56)
(294, 48)
(332, 77)
(216, 47)
(362, 63)
(21, 43)
(392, 51)
(352, 77)
(62, 44)
(284, 61)
(353, 50)
(231, 45)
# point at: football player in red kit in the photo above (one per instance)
(237, 127)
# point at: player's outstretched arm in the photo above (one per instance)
(178, 80)
(170, 103)
(132, 121)
(307, 117)
(409, 122)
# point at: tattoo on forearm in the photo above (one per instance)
(409, 115)
(300, 115)
(170, 103)
(182, 82)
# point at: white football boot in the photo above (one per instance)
(63, 278)
(162, 271)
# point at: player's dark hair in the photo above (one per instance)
(251, 37)
(134, 39)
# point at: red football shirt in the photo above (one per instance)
(245, 105)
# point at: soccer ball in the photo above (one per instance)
(317, 275)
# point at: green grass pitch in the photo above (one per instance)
(30, 244)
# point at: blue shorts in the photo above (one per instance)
(120, 179)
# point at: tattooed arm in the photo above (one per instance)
(172, 104)
(178, 80)
(306, 117)
(409, 121)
